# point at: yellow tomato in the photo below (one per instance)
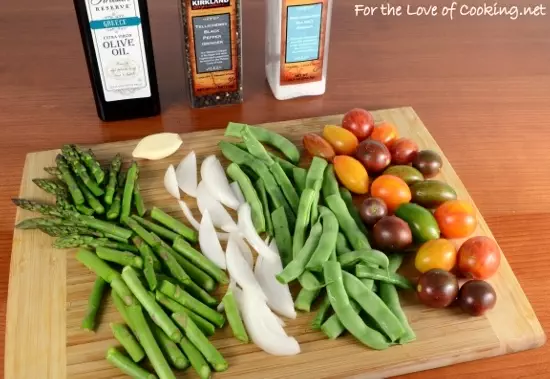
(439, 253)
(342, 140)
(352, 174)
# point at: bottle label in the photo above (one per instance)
(303, 40)
(118, 41)
(212, 30)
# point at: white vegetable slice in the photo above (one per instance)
(209, 243)
(249, 232)
(279, 298)
(239, 270)
(220, 216)
(194, 223)
(171, 182)
(237, 191)
(213, 176)
(157, 146)
(245, 249)
(186, 174)
(263, 327)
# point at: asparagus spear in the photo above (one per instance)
(200, 341)
(139, 204)
(63, 231)
(94, 302)
(205, 264)
(91, 162)
(125, 364)
(111, 188)
(161, 231)
(128, 341)
(86, 211)
(90, 198)
(206, 326)
(149, 238)
(33, 223)
(80, 170)
(131, 176)
(196, 358)
(165, 219)
(150, 262)
(122, 309)
(51, 186)
(198, 276)
(69, 242)
(234, 317)
(68, 178)
(54, 171)
(169, 348)
(123, 258)
(116, 205)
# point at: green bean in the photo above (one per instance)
(342, 246)
(234, 317)
(267, 136)
(369, 283)
(299, 175)
(367, 256)
(374, 306)
(251, 196)
(297, 266)
(364, 271)
(327, 242)
(357, 239)
(282, 235)
(346, 195)
(287, 166)
(321, 314)
(286, 185)
(333, 327)
(330, 184)
(305, 299)
(314, 180)
(309, 281)
(255, 147)
(304, 213)
(265, 206)
(340, 302)
(333, 256)
(388, 293)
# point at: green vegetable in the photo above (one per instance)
(354, 235)
(265, 206)
(69, 179)
(307, 200)
(330, 183)
(73, 159)
(128, 193)
(94, 302)
(168, 258)
(54, 171)
(197, 338)
(333, 327)
(340, 302)
(68, 242)
(122, 309)
(282, 234)
(421, 221)
(169, 348)
(182, 247)
(84, 210)
(364, 271)
(124, 258)
(367, 256)
(314, 180)
(342, 246)
(126, 365)
(138, 200)
(206, 326)
(235, 172)
(196, 358)
(327, 242)
(146, 253)
(161, 231)
(234, 317)
(196, 274)
(410, 175)
(346, 195)
(91, 162)
(305, 299)
(309, 281)
(200, 294)
(111, 188)
(171, 223)
(287, 166)
(97, 265)
(321, 314)
(51, 186)
(128, 341)
(432, 193)
(300, 176)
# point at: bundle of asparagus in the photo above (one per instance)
(159, 282)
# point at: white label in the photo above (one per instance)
(118, 41)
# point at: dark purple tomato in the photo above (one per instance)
(374, 155)
(428, 162)
(437, 288)
(372, 210)
(391, 234)
(476, 297)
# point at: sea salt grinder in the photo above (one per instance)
(297, 41)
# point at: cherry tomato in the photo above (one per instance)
(456, 219)
(352, 174)
(393, 190)
(342, 140)
(479, 257)
(403, 151)
(439, 253)
(317, 146)
(385, 133)
(359, 122)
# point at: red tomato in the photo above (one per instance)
(318, 147)
(403, 151)
(393, 190)
(479, 257)
(456, 219)
(342, 140)
(359, 122)
(352, 174)
(385, 133)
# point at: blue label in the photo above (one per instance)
(303, 32)
(115, 23)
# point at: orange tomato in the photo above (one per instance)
(393, 190)
(456, 219)
(385, 133)
(342, 140)
(316, 146)
(351, 174)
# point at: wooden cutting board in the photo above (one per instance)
(48, 293)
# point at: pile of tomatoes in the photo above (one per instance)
(408, 210)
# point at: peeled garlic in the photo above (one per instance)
(157, 146)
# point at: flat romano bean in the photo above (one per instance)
(254, 146)
(357, 239)
(286, 185)
(367, 256)
(309, 281)
(340, 302)
(282, 235)
(321, 314)
(305, 299)
(297, 266)
(314, 180)
(265, 206)
(304, 213)
(364, 271)
(327, 242)
(287, 166)
(235, 172)
(333, 327)
(267, 136)
(374, 306)
(342, 246)
(346, 195)
(330, 183)
(300, 176)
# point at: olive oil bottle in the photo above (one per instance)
(116, 36)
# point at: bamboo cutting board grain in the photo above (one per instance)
(49, 289)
